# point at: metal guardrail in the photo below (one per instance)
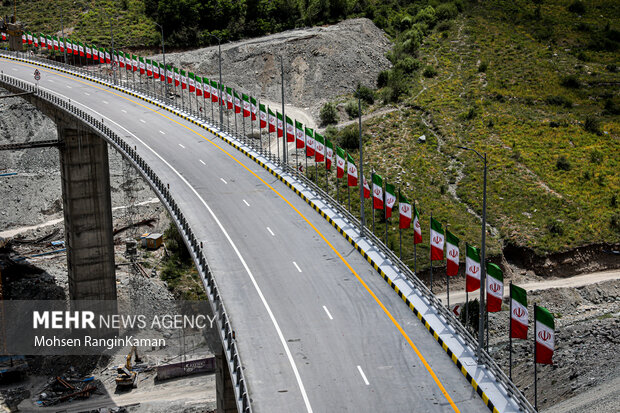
(194, 246)
(445, 313)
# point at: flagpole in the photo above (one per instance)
(212, 116)
(385, 211)
(466, 304)
(349, 193)
(415, 254)
(510, 337)
(535, 365)
(447, 276)
(431, 255)
(284, 143)
(372, 177)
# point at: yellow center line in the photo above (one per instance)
(361, 281)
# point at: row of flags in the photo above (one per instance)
(384, 194)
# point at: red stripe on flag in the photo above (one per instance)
(543, 354)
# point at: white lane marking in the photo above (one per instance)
(142, 120)
(51, 80)
(363, 375)
(328, 314)
(223, 180)
(275, 323)
(14, 69)
(181, 146)
(270, 231)
(106, 102)
(296, 266)
(202, 162)
(246, 202)
(162, 132)
(88, 94)
(123, 110)
(69, 87)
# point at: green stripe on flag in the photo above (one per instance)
(436, 226)
(340, 152)
(377, 180)
(472, 253)
(451, 238)
(319, 138)
(350, 158)
(544, 316)
(309, 132)
(402, 199)
(494, 271)
(518, 294)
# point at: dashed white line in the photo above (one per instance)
(328, 314)
(88, 94)
(246, 202)
(270, 231)
(106, 102)
(69, 87)
(223, 180)
(142, 120)
(202, 162)
(123, 110)
(15, 70)
(181, 146)
(51, 80)
(363, 375)
(296, 266)
(275, 323)
(162, 132)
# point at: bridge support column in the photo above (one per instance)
(87, 208)
(226, 402)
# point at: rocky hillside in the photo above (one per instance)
(320, 63)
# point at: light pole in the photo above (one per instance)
(221, 87)
(62, 32)
(163, 52)
(361, 178)
(483, 272)
(114, 63)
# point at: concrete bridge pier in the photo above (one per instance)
(87, 209)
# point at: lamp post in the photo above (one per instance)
(483, 272)
(62, 32)
(114, 63)
(163, 52)
(221, 87)
(361, 178)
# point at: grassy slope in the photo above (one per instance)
(87, 20)
(523, 135)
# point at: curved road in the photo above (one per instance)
(316, 327)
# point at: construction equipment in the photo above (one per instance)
(126, 376)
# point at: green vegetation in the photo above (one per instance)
(178, 269)
(329, 114)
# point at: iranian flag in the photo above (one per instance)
(121, 60)
(24, 38)
(42, 39)
(290, 130)
(191, 79)
(404, 210)
(3, 36)
(246, 105)
(206, 87)
(417, 228)
(366, 188)
(237, 103)
(495, 288)
(88, 50)
(229, 98)
(81, 47)
(320, 147)
(472, 268)
(545, 335)
(272, 120)
(108, 57)
(214, 92)
(329, 154)
(134, 63)
(35, 38)
(263, 116)
(155, 70)
(61, 44)
(377, 191)
(280, 125)
(452, 254)
(29, 38)
(55, 43)
(299, 134)
(199, 86)
(518, 312)
(169, 74)
(339, 162)
(309, 142)
(142, 66)
(390, 199)
(50, 43)
(69, 47)
(351, 171)
(149, 67)
(76, 51)
(183, 79)
(253, 107)
(437, 240)
(177, 77)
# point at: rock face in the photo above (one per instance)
(319, 63)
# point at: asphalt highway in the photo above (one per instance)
(317, 328)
